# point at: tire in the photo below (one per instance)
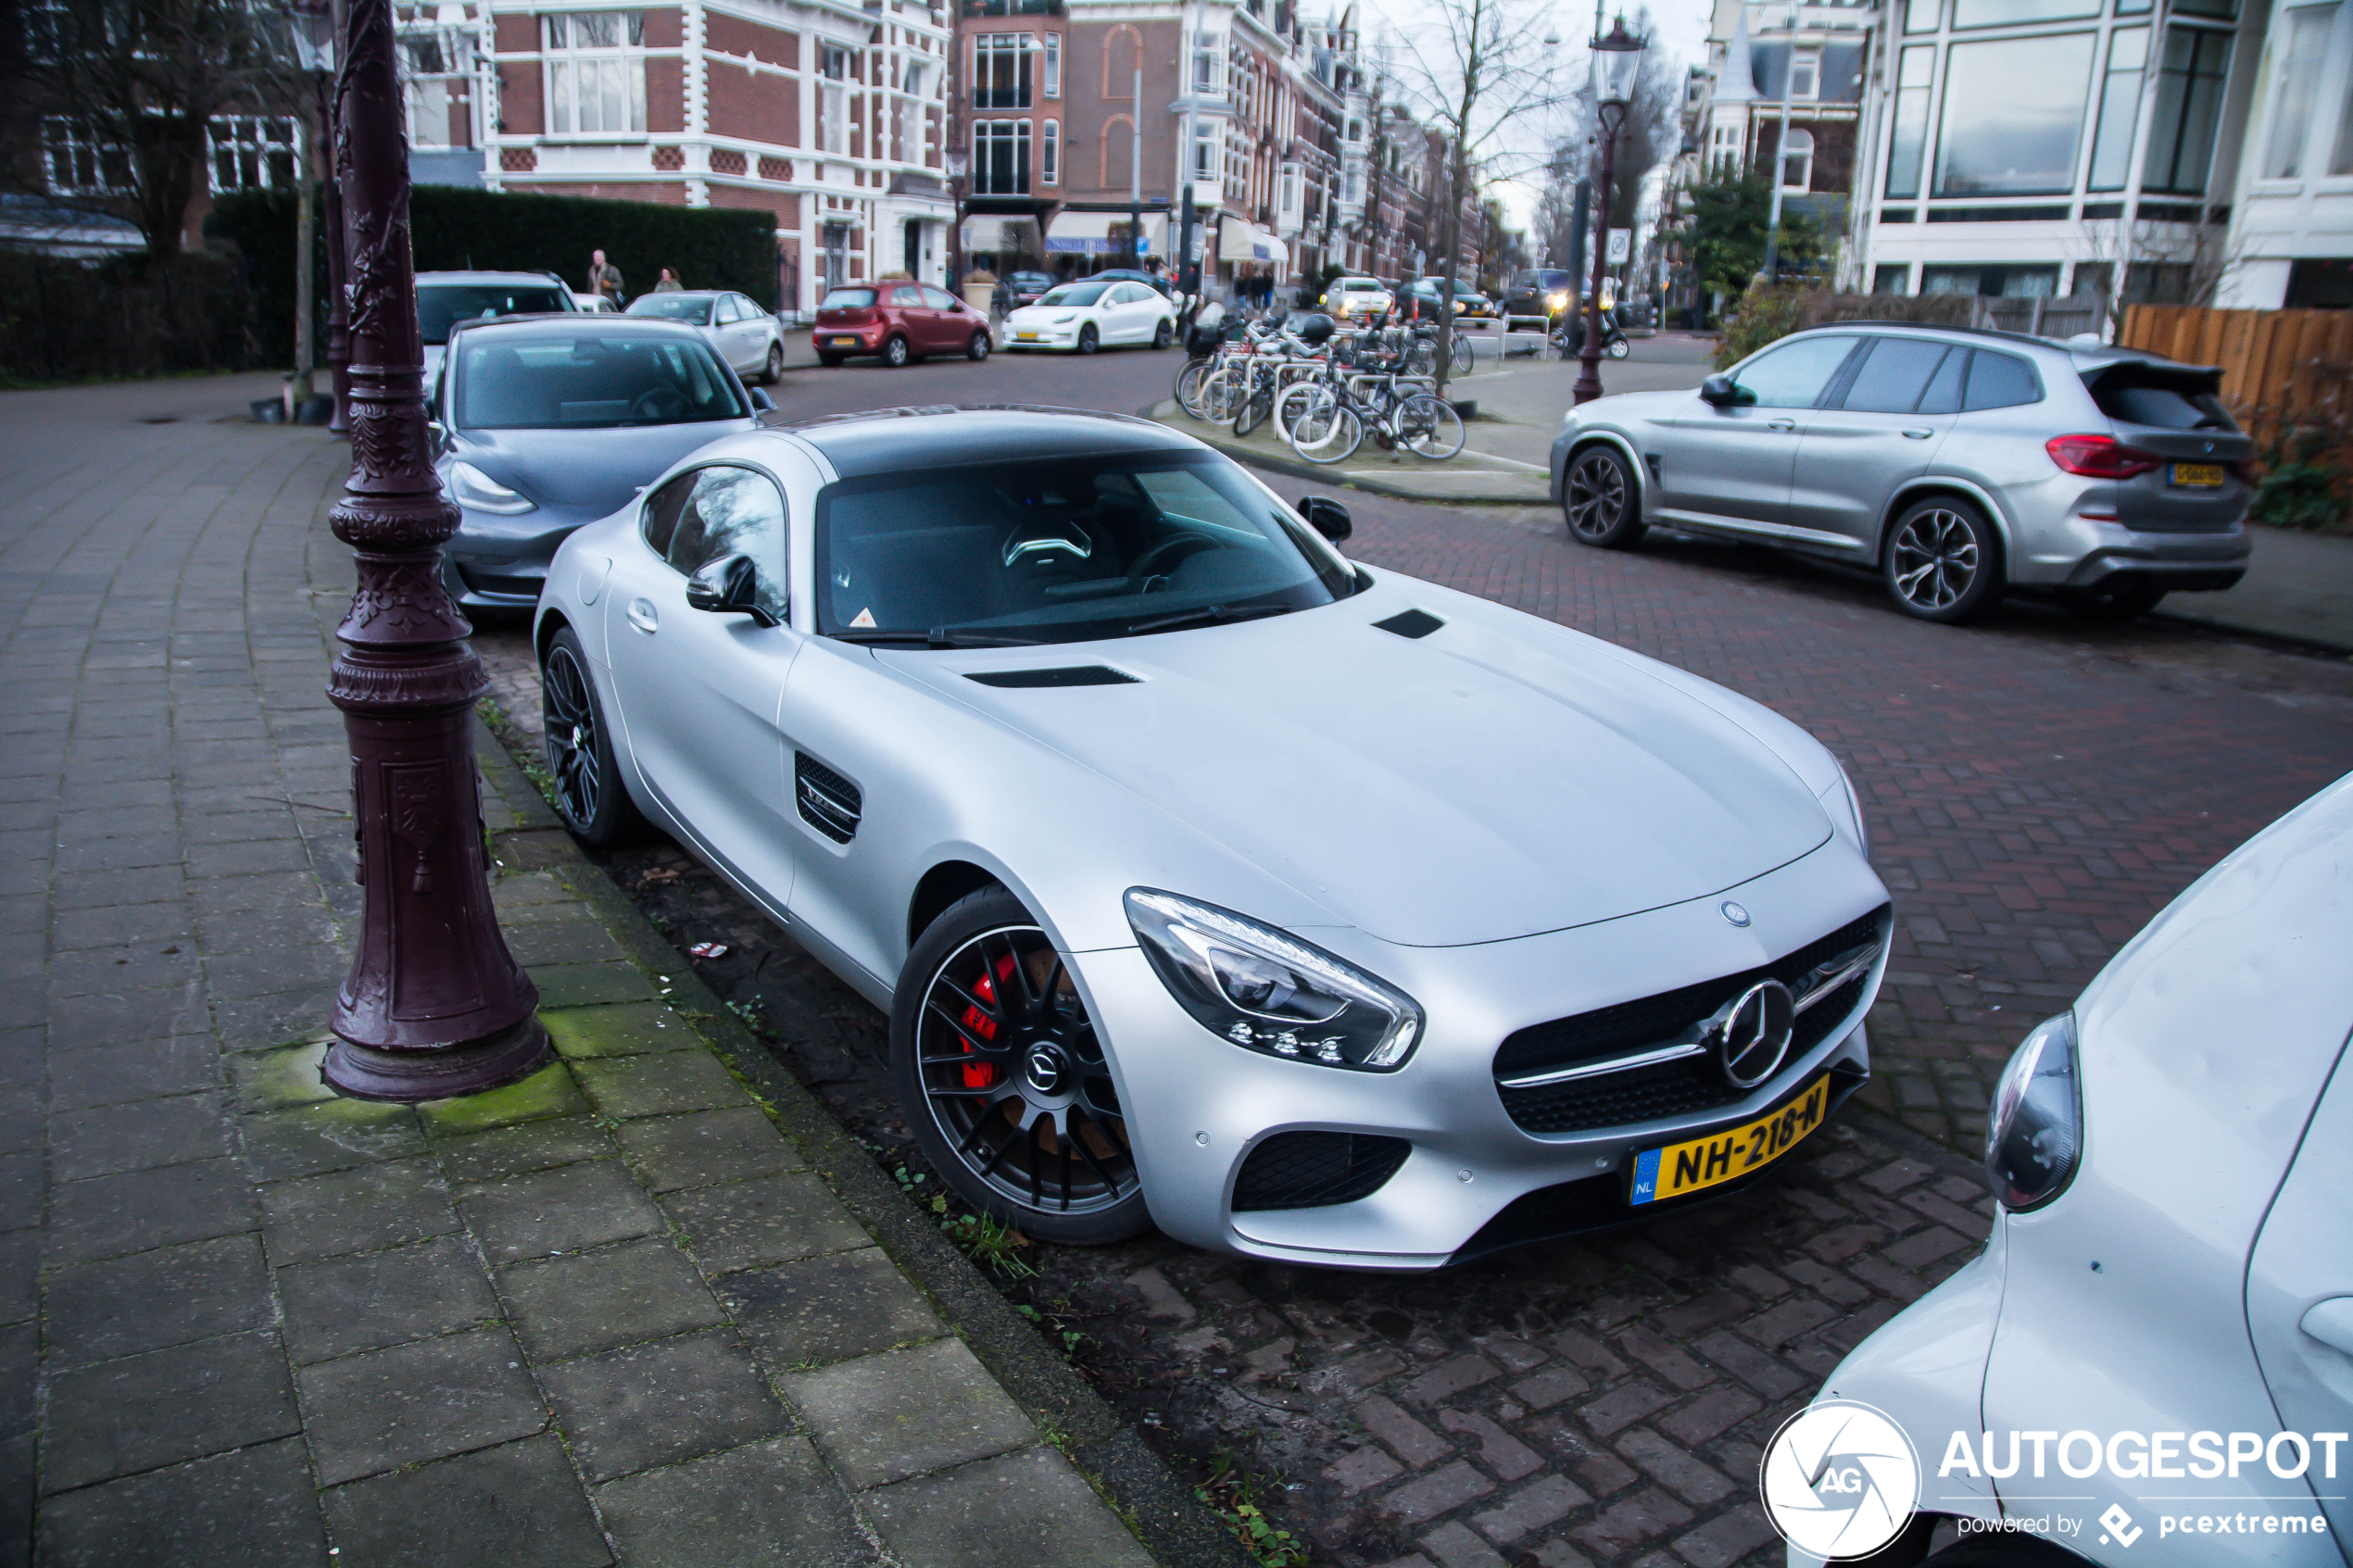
(1163, 334)
(978, 347)
(2114, 601)
(1326, 430)
(1254, 406)
(1189, 385)
(1461, 354)
(1088, 340)
(1429, 427)
(1003, 1078)
(590, 796)
(774, 373)
(1600, 500)
(1944, 562)
(895, 351)
(1618, 348)
(1221, 396)
(830, 360)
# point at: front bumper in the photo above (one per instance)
(500, 563)
(1474, 1180)
(1041, 337)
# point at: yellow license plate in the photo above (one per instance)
(1026, 337)
(1681, 1168)
(2203, 476)
(844, 343)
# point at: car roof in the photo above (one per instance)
(2087, 357)
(684, 294)
(565, 323)
(542, 278)
(942, 435)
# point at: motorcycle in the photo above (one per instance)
(1568, 336)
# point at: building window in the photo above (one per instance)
(595, 74)
(1893, 278)
(833, 62)
(252, 153)
(2189, 103)
(1805, 74)
(2341, 158)
(434, 70)
(911, 116)
(2003, 13)
(1000, 157)
(1208, 162)
(1921, 15)
(1290, 197)
(2013, 116)
(1050, 149)
(1910, 137)
(2299, 58)
(1797, 160)
(2128, 52)
(1206, 63)
(1053, 68)
(833, 119)
(836, 253)
(1000, 70)
(80, 165)
(1356, 130)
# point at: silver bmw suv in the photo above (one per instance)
(1958, 463)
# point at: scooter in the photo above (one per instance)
(1568, 336)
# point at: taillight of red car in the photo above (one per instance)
(2101, 456)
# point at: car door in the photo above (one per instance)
(1892, 407)
(918, 320)
(700, 692)
(1728, 465)
(750, 333)
(2299, 1292)
(956, 320)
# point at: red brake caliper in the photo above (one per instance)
(981, 1074)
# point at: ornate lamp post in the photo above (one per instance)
(434, 1005)
(1617, 60)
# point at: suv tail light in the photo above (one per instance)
(2100, 457)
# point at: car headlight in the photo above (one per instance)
(1846, 814)
(1065, 316)
(1268, 991)
(476, 491)
(2035, 1129)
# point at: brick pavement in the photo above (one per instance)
(612, 1314)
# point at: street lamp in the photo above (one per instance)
(957, 162)
(316, 24)
(434, 1005)
(1617, 60)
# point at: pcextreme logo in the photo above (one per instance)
(1839, 1479)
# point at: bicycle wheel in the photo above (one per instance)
(1420, 358)
(1255, 406)
(1429, 428)
(1220, 394)
(1290, 403)
(1189, 381)
(1326, 430)
(1462, 356)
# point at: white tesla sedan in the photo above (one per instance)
(1312, 913)
(1094, 313)
(2151, 1363)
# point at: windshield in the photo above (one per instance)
(693, 310)
(591, 382)
(440, 305)
(1062, 549)
(1074, 293)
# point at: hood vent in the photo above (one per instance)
(1411, 624)
(828, 802)
(1068, 675)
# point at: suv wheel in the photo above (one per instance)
(1944, 562)
(1600, 501)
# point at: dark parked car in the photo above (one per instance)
(1132, 275)
(896, 322)
(1540, 291)
(1017, 289)
(1418, 300)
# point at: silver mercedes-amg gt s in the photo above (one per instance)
(1211, 881)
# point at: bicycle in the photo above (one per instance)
(1331, 417)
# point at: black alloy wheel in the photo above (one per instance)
(1086, 338)
(590, 796)
(895, 352)
(1943, 563)
(1163, 334)
(1002, 1077)
(978, 347)
(1599, 500)
(775, 370)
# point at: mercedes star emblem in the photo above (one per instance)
(1755, 1035)
(1734, 913)
(1045, 1072)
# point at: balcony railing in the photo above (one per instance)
(1013, 7)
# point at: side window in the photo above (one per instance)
(661, 517)
(939, 299)
(1999, 380)
(1943, 394)
(731, 512)
(1793, 374)
(1895, 376)
(747, 311)
(724, 313)
(907, 297)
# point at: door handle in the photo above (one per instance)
(1918, 435)
(2330, 1323)
(641, 615)
(1781, 424)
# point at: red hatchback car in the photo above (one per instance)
(896, 322)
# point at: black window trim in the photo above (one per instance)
(645, 510)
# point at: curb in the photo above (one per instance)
(1299, 467)
(1161, 1509)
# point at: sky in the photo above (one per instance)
(1681, 32)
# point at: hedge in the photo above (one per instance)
(66, 320)
(453, 228)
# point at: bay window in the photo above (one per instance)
(2013, 115)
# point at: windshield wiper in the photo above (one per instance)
(1208, 615)
(937, 637)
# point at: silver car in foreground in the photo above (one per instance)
(1311, 912)
(2151, 1363)
(1955, 463)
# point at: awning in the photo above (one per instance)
(997, 234)
(1239, 241)
(1102, 234)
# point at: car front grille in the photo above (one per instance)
(1317, 1170)
(1686, 1086)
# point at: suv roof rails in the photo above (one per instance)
(1937, 327)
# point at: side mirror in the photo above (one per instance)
(761, 402)
(1724, 393)
(438, 433)
(1326, 516)
(729, 585)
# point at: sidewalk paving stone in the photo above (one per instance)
(516, 1503)
(659, 1404)
(885, 1418)
(767, 1504)
(380, 1409)
(1016, 1512)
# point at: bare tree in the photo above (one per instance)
(129, 88)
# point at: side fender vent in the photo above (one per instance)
(1411, 624)
(828, 802)
(1067, 675)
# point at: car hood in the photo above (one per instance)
(586, 473)
(1496, 779)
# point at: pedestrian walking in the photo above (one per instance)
(604, 278)
(670, 283)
